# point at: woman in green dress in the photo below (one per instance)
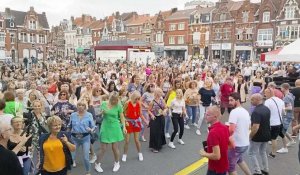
(111, 129)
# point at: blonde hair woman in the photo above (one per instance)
(178, 113)
(192, 99)
(56, 148)
(111, 132)
(207, 94)
(133, 113)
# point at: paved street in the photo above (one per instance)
(169, 161)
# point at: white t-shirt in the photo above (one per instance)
(6, 119)
(274, 120)
(247, 71)
(241, 118)
(177, 106)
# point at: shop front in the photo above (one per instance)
(177, 52)
(262, 47)
(221, 51)
(243, 52)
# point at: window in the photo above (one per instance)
(148, 39)
(266, 17)
(32, 38)
(265, 34)
(226, 33)
(32, 25)
(245, 16)
(11, 24)
(206, 18)
(95, 34)
(1, 24)
(249, 34)
(223, 17)
(289, 12)
(294, 32)
(171, 40)
(172, 27)
(23, 37)
(181, 26)
(239, 34)
(284, 33)
(180, 39)
(2, 37)
(217, 34)
(12, 38)
(42, 38)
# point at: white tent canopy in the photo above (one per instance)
(289, 53)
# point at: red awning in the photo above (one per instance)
(273, 52)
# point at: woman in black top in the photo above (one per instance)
(207, 94)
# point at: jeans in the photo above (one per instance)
(210, 172)
(146, 115)
(167, 122)
(86, 144)
(26, 166)
(255, 149)
(177, 119)
(202, 111)
(192, 112)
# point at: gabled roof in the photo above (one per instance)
(139, 20)
(234, 5)
(127, 16)
(19, 18)
(97, 25)
(203, 10)
(181, 14)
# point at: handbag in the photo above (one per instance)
(162, 112)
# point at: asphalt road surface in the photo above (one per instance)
(169, 161)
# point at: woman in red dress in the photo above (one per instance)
(133, 111)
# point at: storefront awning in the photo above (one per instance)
(79, 50)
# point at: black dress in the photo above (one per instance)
(157, 127)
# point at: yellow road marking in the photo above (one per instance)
(191, 168)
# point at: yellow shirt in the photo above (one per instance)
(172, 96)
(54, 159)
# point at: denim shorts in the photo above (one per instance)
(287, 120)
(235, 156)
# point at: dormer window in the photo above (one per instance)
(11, 24)
(289, 12)
(266, 16)
(223, 17)
(32, 25)
(245, 16)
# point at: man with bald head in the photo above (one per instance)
(260, 134)
(217, 143)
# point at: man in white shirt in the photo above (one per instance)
(4, 118)
(239, 124)
(247, 71)
(276, 106)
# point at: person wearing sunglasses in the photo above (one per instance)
(63, 108)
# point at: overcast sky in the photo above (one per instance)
(56, 10)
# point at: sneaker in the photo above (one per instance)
(271, 155)
(141, 158)
(98, 168)
(167, 135)
(181, 142)
(187, 127)
(291, 143)
(195, 124)
(93, 159)
(270, 143)
(177, 133)
(171, 145)
(283, 150)
(143, 139)
(198, 132)
(116, 166)
(264, 172)
(124, 157)
(74, 164)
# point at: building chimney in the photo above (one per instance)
(31, 9)
(7, 11)
(44, 13)
(72, 18)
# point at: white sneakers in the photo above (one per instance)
(283, 150)
(93, 158)
(167, 135)
(116, 167)
(195, 124)
(187, 127)
(291, 143)
(98, 168)
(180, 142)
(74, 164)
(171, 145)
(124, 157)
(141, 158)
(143, 139)
(198, 132)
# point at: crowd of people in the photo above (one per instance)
(49, 110)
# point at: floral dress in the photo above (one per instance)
(60, 109)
